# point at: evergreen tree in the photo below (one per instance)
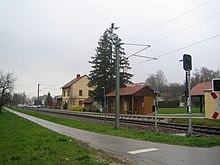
(103, 72)
(49, 101)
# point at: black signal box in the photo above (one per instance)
(216, 84)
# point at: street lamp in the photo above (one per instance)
(104, 106)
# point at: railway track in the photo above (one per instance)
(142, 120)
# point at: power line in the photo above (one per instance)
(170, 20)
(171, 35)
(190, 45)
(46, 87)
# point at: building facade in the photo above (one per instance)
(76, 91)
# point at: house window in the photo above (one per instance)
(80, 92)
(64, 93)
(68, 93)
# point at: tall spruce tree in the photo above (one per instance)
(103, 73)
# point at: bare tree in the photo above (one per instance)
(7, 82)
(159, 78)
(203, 75)
(173, 91)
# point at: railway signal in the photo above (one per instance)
(187, 62)
(187, 66)
(216, 84)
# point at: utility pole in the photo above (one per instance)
(38, 97)
(117, 108)
(117, 68)
(23, 100)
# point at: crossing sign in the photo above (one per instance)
(217, 100)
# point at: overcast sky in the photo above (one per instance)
(50, 41)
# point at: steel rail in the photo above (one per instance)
(138, 121)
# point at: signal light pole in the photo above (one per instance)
(187, 66)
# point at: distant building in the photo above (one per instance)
(198, 91)
(76, 91)
(58, 102)
(204, 92)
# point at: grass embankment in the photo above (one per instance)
(202, 122)
(134, 134)
(24, 142)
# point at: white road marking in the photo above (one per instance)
(143, 150)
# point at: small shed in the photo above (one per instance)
(198, 91)
(88, 103)
(136, 99)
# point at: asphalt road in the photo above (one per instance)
(136, 151)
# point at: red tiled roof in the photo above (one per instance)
(198, 90)
(130, 90)
(88, 100)
(73, 81)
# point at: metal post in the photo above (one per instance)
(104, 109)
(38, 97)
(190, 129)
(156, 109)
(23, 100)
(187, 92)
(117, 108)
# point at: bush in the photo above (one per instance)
(65, 106)
(76, 108)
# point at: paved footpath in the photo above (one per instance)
(137, 151)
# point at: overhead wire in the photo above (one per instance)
(173, 34)
(166, 37)
(170, 20)
(195, 43)
(190, 45)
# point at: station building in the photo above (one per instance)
(134, 99)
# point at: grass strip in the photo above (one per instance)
(24, 142)
(202, 122)
(176, 110)
(134, 134)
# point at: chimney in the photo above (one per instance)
(78, 75)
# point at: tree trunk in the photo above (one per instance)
(0, 108)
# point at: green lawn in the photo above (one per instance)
(176, 110)
(142, 135)
(24, 142)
